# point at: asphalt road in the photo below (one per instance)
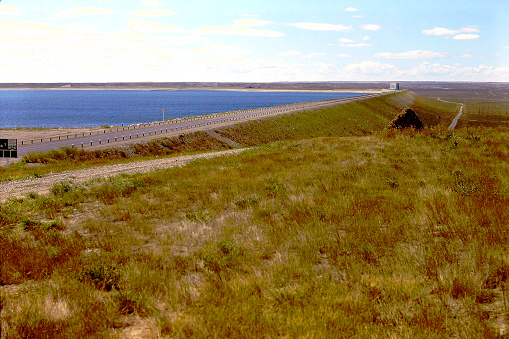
(137, 133)
(456, 119)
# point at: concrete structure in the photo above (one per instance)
(394, 86)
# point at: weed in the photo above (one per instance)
(392, 182)
(36, 174)
(32, 195)
(274, 187)
(103, 277)
(61, 188)
(220, 259)
(132, 303)
(249, 201)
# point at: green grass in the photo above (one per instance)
(353, 119)
(396, 234)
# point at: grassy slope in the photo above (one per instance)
(395, 234)
(353, 119)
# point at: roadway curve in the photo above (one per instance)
(137, 133)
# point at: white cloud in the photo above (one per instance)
(75, 11)
(371, 27)
(441, 31)
(366, 38)
(312, 55)
(252, 22)
(502, 70)
(153, 12)
(80, 27)
(22, 30)
(466, 37)
(369, 67)
(238, 31)
(321, 26)
(152, 3)
(289, 53)
(457, 72)
(351, 9)
(139, 26)
(418, 54)
(356, 45)
(9, 10)
(79, 50)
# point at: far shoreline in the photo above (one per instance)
(351, 90)
(331, 86)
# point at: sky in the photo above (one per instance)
(253, 41)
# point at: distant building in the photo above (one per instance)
(394, 86)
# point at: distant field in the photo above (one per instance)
(487, 107)
(421, 87)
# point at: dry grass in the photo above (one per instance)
(399, 234)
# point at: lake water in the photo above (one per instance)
(81, 108)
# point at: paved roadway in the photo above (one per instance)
(137, 133)
(456, 118)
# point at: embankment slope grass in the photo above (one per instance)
(352, 119)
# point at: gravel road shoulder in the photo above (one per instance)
(20, 188)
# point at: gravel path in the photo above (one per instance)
(20, 188)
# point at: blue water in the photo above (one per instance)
(80, 108)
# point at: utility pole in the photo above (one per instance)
(163, 114)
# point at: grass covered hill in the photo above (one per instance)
(394, 234)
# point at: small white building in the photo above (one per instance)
(394, 86)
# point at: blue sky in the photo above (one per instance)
(253, 41)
